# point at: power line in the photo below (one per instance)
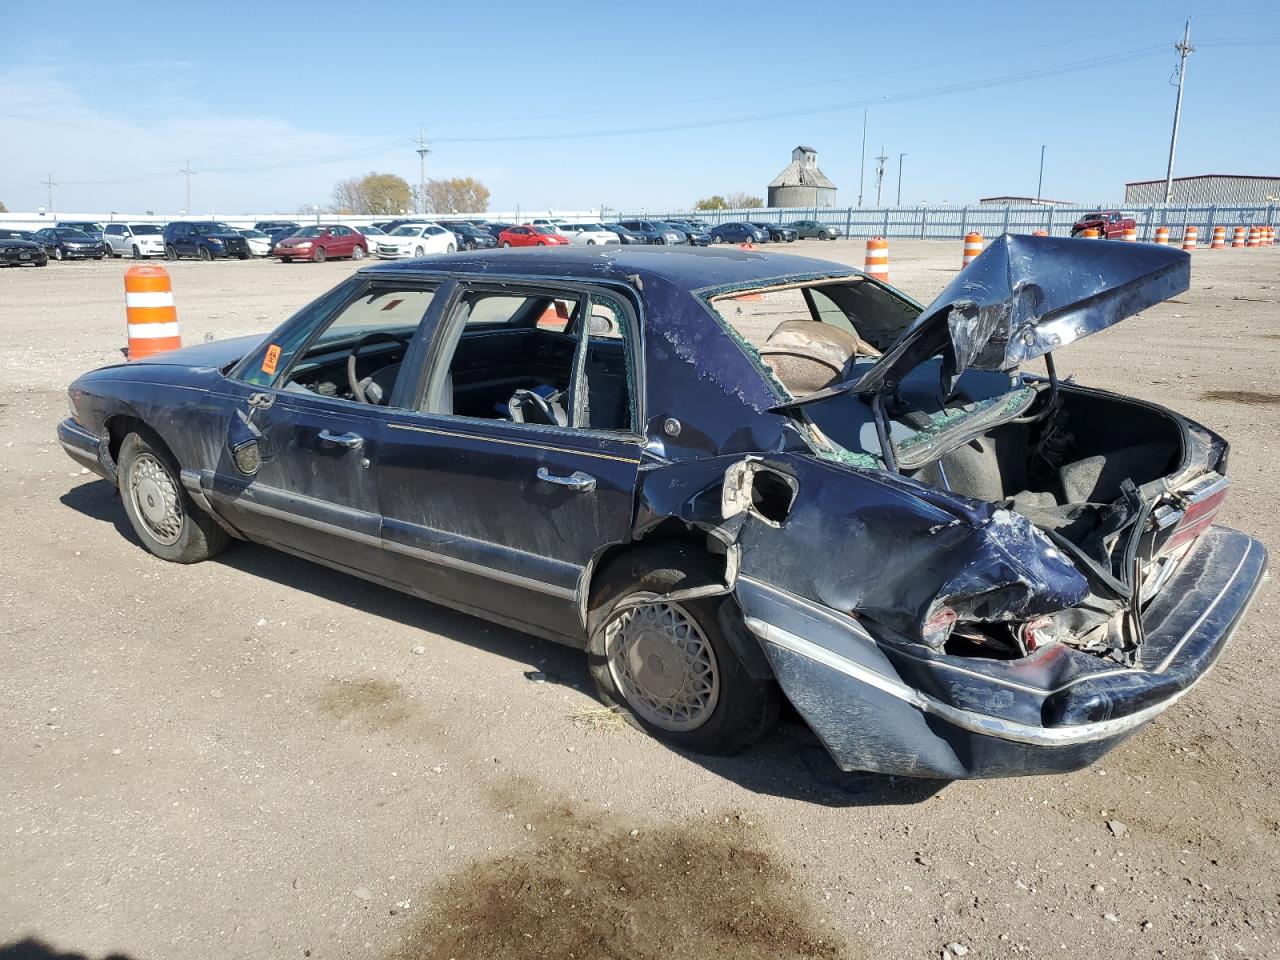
(188, 173)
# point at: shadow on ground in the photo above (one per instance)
(790, 763)
(32, 949)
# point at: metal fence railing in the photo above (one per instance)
(942, 223)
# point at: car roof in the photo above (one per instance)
(689, 268)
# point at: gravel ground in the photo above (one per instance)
(257, 757)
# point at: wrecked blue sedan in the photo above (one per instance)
(730, 477)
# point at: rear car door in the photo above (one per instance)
(296, 469)
(501, 512)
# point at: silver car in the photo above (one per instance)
(137, 240)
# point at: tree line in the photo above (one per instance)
(385, 194)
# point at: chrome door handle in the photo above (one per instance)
(577, 481)
(352, 441)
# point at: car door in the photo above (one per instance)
(500, 517)
(296, 467)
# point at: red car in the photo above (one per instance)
(531, 236)
(320, 243)
(1110, 224)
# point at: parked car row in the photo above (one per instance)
(400, 238)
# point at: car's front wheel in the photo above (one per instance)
(319, 256)
(666, 665)
(137, 254)
(171, 252)
(57, 253)
(162, 513)
(417, 251)
(206, 253)
(506, 243)
(451, 249)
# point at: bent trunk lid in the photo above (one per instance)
(1021, 298)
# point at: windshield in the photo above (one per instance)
(253, 234)
(145, 229)
(369, 231)
(208, 229)
(66, 233)
(316, 231)
(405, 231)
(544, 230)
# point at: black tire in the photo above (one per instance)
(57, 254)
(539, 244)
(319, 256)
(171, 252)
(110, 252)
(99, 257)
(451, 249)
(470, 245)
(198, 536)
(417, 251)
(243, 256)
(717, 239)
(137, 254)
(506, 243)
(206, 253)
(745, 708)
(357, 252)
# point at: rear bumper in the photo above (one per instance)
(1053, 712)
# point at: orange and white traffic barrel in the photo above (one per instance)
(1130, 235)
(1237, 237)
(972, 247)
(1189, 237)
(1219, 239)
(149, 311)
(1089, 233)
(877, 261)
(1255, 237)
(1162, 234)
(1269, 236)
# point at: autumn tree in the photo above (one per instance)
(3, 208)
(743, 201)
(374, 193)
(457, 195)
(715, 202)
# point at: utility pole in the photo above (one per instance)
(422, 152)
(880, 173)
(900, 156)
(188, 172)
(1040, 182)
(1185, 49)
(862, 171)
(49, 185)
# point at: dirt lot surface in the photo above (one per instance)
(246, 758)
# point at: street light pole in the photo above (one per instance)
(188, 172)
(900, 156)
(862, 171)
(1040, 181)
(880, 173)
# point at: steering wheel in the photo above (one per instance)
(378, 336)
(540, 404)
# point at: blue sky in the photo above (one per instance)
(571, 105)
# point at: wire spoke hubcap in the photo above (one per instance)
(155, 498)
(664, 665)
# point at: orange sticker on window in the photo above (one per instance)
(271, 359)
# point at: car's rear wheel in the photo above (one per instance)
(667, 666)
(417, 251)
(469, 245)
(206, 253)
(319, 256)
(506, 243)
(162, 513)
(717, 239)
(357, 252)
(539, 244)
(451, 248)
(170, 252)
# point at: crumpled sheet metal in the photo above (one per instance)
(1025, 296)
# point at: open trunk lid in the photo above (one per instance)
(1021, 298)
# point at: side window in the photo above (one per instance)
(543, 357)
(377, 323)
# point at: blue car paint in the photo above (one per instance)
(834, 632)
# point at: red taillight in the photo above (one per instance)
(1198, 515)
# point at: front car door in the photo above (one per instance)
(296, 467)
(496, 502)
